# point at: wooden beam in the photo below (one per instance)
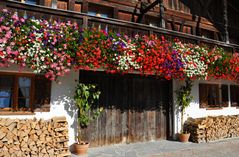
(145, 10)
(225, 21)
(150, 6)
(161, 14)
(181, 26)
(42, 2)
(85, 6)
(116, 13)
(71, 5)
(173, 24)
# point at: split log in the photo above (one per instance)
(212, 128)
(32, 137)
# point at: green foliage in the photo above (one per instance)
(184, 98)
(85, 98)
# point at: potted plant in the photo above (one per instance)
(86, 96)
(184, 98)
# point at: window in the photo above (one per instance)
(24, 92)
(152, 21)
(29, 1)
(213, 95)
(234, 92)
(100, 11)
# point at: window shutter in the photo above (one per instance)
(42, 94)
(234, 91)
(224, 89)
(213, 95)
(203, 93)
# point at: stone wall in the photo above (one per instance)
(32, 137)
(212, 128)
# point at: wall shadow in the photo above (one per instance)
(130, 92)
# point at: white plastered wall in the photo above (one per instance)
(61, 101)
(194, 109)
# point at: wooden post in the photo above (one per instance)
(85, 6)
(143, 11)
(71, 5)
(161, 15)
(116, 12)
(225, 21)
(85, 22)
(41, 2)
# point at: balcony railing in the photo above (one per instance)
(87, 21)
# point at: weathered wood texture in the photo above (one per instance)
(135, 108)
(212, 128)
(35, 138)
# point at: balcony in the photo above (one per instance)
(88, 21)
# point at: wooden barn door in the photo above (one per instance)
(135, 109)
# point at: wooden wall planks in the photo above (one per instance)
(134, 108)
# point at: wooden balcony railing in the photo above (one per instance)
(87, 21)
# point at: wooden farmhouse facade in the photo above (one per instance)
(138, 105)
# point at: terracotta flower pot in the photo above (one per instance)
(81, 149)
(183, 137)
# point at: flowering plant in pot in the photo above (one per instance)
(184, 98)
(86, 96)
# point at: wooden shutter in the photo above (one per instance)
(234, 91)
(203, 94)
(209, 95)
(224, 93)
(213, 95)
(42, 94)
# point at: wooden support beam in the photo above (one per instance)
(71, 5)
(85, 22)
(42, 2)
(145, 10)
(225, 21)
(194, 30)
(85, 6)
(161, 15)
(173, 24)
(150, 6)
(116, 13)
(181, 26)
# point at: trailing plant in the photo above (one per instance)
(86, 97)
(184, 98)
(53, 48)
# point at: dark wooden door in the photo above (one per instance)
(136, 109)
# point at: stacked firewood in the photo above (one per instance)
(197, 129)
(32, 137)
(212, 128)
